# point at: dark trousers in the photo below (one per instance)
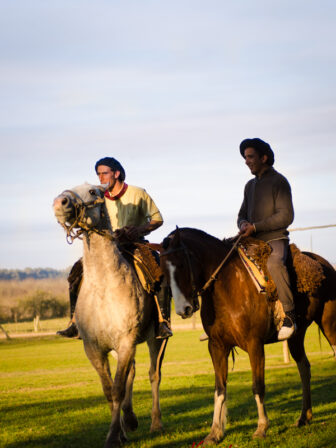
(276, 265)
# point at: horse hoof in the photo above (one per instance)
(157, 427)
(259, 434)
(301, 422)
(130, 421)
(305, 419)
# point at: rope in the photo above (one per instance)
(160, 355)
(214, 274)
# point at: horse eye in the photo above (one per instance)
(92, 192)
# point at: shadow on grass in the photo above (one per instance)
(186, 411)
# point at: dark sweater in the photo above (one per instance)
(268, 205)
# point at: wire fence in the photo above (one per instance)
(312, 227)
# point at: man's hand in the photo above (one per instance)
(132, 233)
(246, 229)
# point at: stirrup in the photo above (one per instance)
(203, 337)
(70, 332)
(163, 331)
(288, 327)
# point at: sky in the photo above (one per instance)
(170, 89)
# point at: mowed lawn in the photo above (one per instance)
(51, 397)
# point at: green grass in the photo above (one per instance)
(51, 396)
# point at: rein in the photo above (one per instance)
(80, 209)
(196, 293)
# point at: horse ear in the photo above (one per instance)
(155, 246)
(176, 240)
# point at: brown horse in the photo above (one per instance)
(234, 314)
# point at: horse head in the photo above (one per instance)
(79, 208)
(180, 269)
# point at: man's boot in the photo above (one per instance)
(75, 281)
(162, 300)
(288, 326)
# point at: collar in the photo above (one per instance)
(117, 196)
(269, 170)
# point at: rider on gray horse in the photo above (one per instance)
(133, 213)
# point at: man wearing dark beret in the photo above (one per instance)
(133, 214)
(266, 212)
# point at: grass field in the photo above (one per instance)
(51, 396)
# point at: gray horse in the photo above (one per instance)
(113, 311)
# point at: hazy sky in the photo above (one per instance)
(170, 89)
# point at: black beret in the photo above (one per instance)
(260, 146)
(113, 164)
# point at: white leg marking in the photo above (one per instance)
(180, 301)
(262, 418)
(219, 417)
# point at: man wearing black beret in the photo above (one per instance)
(266, 212)
(133, 214)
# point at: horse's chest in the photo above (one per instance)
(99, 308)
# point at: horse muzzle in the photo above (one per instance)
(187, 312)
(64, 210)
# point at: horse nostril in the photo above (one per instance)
(188, 310)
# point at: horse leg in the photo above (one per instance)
(156, 351)
(129, 420)
(296, 348)
(328, 323)
(219, 356)
(99, 361)
(257, 360)
(126, 354)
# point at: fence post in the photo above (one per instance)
(36, 323)
(7, 335)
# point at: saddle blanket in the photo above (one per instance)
(255, 271)
(254, 254)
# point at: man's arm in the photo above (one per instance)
(135, 232)
(245, 227)
(283, 209)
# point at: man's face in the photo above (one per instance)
(107, 176)
(255, 162)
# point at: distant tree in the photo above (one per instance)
(36, 273)
(42, 304)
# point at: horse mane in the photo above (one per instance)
(204, 237)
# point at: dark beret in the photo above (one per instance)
(113, 164)
(260, 146)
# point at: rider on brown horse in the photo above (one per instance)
(266, 212)
(132, 213)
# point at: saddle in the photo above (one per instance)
(145, 263)
(304, 270)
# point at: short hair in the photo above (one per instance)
(113, 164)
(262, 148)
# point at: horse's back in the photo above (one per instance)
(327, 290)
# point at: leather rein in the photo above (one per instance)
(197, 293)
(80, 209)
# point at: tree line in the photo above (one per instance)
(33, 273)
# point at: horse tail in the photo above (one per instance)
(319, 335)
(233, 353)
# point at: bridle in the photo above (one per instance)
(197, 293)
(80, 210)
